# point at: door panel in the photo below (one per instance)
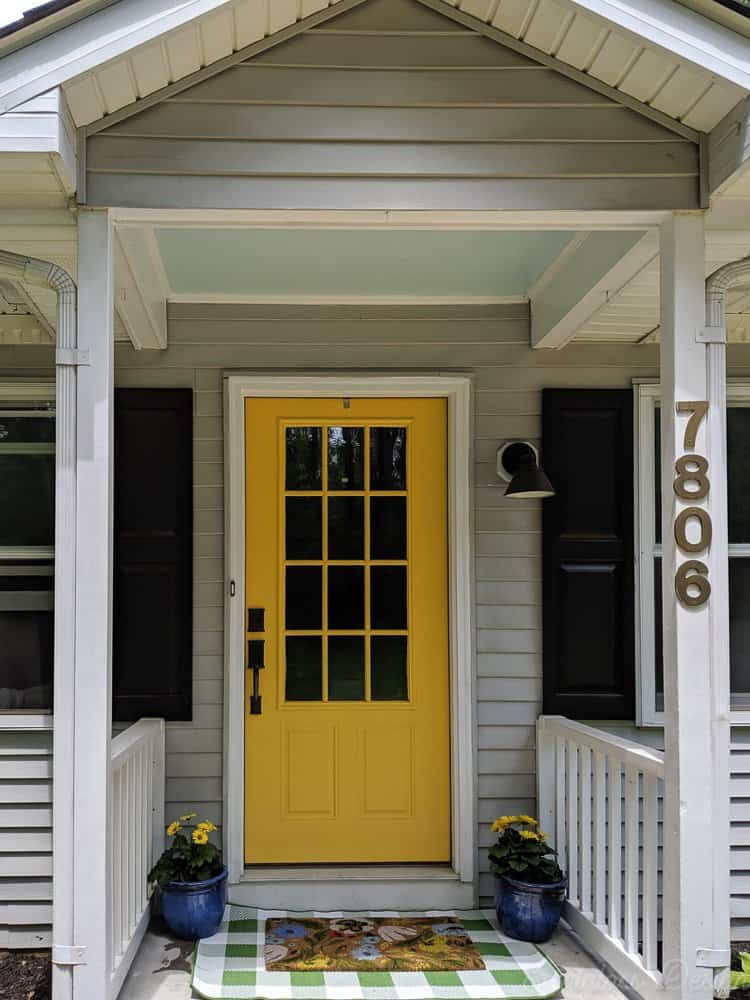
(347, 758)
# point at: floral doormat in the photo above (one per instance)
(368, 944)
(273, 955)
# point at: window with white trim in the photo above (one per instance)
(648, 505)
(27, 526)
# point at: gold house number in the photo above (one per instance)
(691, 483)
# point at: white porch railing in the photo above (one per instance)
(137, 836)
(598, 798)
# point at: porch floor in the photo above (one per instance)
(161, 970)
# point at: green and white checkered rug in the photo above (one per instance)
(230, 965)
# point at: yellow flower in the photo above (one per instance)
(200, 837)
(502, 822)
(187, 817)
(529, 820)
(173, 828)
(206, 825)
(528, 835)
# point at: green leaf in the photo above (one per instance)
(738, 979)
(745, 961)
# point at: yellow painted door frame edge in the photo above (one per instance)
(457, 389)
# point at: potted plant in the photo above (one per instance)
(530, 887)
(192, 880)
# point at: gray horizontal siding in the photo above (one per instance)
(25, 838)
(376, 110)
(491, 342)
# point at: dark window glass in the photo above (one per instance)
(346, 668)
(304, 668)
(388, 666)
(388, 458)
(26, 637)
(388, 527)
(739, 630)
(346, 527)
(658, 647)
(388, 597)
(303, 458)
(303, 597)
(657, 474)
(304, 528)
(27, 478)
(346, 597)
(345, 459)
(738, 472)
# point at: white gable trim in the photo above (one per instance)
(117, 30)
(103, 36)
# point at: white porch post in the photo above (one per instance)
(696, 796)
(93, 658)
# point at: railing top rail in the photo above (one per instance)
(628, 751)
(126, 742)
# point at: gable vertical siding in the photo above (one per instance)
(390, 106)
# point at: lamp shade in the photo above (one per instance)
(529, 482)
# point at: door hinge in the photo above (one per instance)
(72, 356)
(69, 954)
(712, 958)
(711, 335)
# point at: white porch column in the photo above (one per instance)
(696, 794)
(93, 658)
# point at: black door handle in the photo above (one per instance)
(256, 663)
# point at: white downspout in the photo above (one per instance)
(715, 336)
(45, 273)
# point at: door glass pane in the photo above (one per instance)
(738, 472)
(345, 459)
(388, 597)
(303, 597)
(658, 645)
(388, 458)
(346, 597)
(388, 527)
(26, 637)
(739, 631)
(388, 664)
(304, 668)
(304, 528)
(346, 668)
(303, 462)
(657, 474)
(346, 527)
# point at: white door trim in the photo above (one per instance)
(457, 390)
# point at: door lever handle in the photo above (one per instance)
(256, 663)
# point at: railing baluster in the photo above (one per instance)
(614, 861)
(631, 860)
(116, 866)
(650, 871)
(584, 812)
(560, 817)
(600, 843)
(572, 823)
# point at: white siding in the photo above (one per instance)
(25, 838)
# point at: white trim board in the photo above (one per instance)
(209, 298)
(459, 889)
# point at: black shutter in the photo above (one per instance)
(153, 554)
(588, 559)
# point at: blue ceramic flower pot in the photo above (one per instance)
(194, 909)
(529, 911)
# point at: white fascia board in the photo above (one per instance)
(80, 47)
(597, 269)
(679, 31)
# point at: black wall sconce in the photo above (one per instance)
(518, 465)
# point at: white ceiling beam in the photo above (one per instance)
(599, 267)
(141, 288)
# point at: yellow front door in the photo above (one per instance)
(347, 745)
